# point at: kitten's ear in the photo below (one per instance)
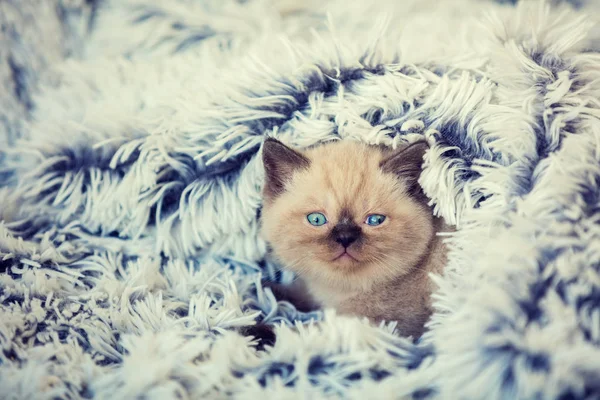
(280, 163)
(406, 163)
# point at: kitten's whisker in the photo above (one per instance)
(393, 264)
(296, 264)
(388, 268)
(278, 268)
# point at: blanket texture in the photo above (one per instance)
(130, 181)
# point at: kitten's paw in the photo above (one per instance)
(264, 335)
(296, 294)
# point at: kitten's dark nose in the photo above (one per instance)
(346, 234)
(346, 240)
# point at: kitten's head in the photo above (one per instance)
(346, 214)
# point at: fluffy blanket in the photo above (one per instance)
(130, 257)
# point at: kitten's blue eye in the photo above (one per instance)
(375, 219)
(316, 219)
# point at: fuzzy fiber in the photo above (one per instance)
(130, 181)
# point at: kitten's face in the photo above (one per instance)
(345, 214)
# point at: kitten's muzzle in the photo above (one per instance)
(346, 234)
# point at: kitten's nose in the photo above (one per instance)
(346, 240)
(346, 234)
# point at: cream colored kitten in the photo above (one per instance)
(351, 220)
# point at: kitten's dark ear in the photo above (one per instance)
(280, 163)
(407, 164)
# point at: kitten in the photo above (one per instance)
(352, 222)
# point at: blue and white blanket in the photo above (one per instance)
(130, 194)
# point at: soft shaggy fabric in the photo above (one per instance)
(129, 248)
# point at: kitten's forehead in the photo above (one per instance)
(345, 162)
(346, 178)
